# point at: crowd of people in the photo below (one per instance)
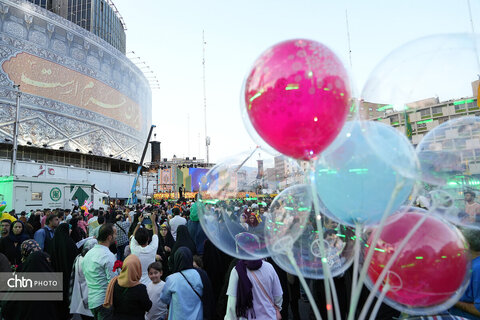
(155, 262)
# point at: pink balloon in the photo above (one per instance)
(297, 97)
(431, 268)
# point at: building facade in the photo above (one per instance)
(83, 103)
(100, 17)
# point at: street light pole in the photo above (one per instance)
(15, 130)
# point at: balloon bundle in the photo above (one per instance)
(86, 206)
(344, 192)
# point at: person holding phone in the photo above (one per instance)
(144, 249)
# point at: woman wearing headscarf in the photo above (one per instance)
(78, 285)
(36, 261)
(254, 291)
(126, 294)
(216, 264)
(34, 221)
(165, 246)
(77, 233)
(184, 240)
(63, 253)
(11, 244)
(29, 246)
(187, 291)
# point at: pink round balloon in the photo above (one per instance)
(297, 97)
(431, 268)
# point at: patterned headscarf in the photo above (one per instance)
(29, 246)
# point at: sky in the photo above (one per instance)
(166, 36)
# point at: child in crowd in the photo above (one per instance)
(159, 309)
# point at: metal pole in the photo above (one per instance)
(207, 139)
(15, 130)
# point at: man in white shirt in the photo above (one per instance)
(97, 267)
(139, 246)
(176, 221)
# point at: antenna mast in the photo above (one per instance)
(348, 37)
(207, 138)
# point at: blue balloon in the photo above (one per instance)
(354, 181)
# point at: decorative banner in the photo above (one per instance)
(44, 78)
(172, 195)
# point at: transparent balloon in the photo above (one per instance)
(303, 88)
(449, 170)
(422, 84)
(287, 216)
(338, 243)
(355, 183)
(431, 272)
(235, 195)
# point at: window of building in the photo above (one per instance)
(425, 113)
(460, 108)
(472, 105)
(36, 196)
(421, 126)
(437, 111)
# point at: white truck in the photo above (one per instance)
(31, 193)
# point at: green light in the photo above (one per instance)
(456, 103)
(324, 260)
(302, 209)
(359, 171)
(382, 266)
(279, 223)
(379, 119)
(408, 265)
(292, 86)
(395, 123)
(444, 257)
(419, 258)
(310, 74)
(341, 235)
(326, 89)
(342, 94)
(385, 107)
(258, 94)
(378, 249)
(425, 121)
(288, 208)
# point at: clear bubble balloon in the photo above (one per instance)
(338, 242)
(302, 88)
(431, 272)
(449, 171)
(355, 183)
(234, 197)
(287, 216)
(423, 84)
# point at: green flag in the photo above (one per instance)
(408, 126)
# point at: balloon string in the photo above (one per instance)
(356, 261)
(379, 301)
(316, 312)
(384, 272)
(335, 299)
(376, 236)
(323, 255)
